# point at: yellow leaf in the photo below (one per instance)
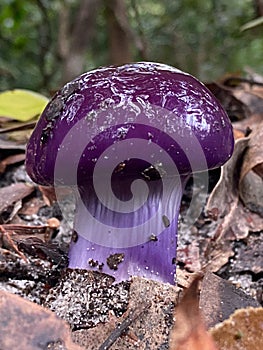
(22, 105)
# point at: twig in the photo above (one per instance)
(24, 126)
(237, 80)
(24, 229)
(9, 243)
(133, 315)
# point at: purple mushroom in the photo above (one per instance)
(126, 139)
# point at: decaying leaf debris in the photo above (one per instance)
(189, 332)
(227, 238)
(27, 326)
(242, 331)
(220, 298)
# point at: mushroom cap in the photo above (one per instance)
(147, 101)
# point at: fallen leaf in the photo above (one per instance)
(251, 94)
(7, 242)
(6, 145)
(27, 326)
(50, 251)
(236, 108)
(240, 96)
(52, 195)
(11, 160)
(251, 181)
(4, 120)
(189, 256)
(233, 221)
(152, 328)
(220, 298)
(32, 206)
(25, 229)
(238, 134)
(225, 193)
(189, 332)
(246, 125)
(242, 331)
(249, 255)
(98, 297)
(21, 105)
(185, 278)
(139, 310)
(9, 195)
(91, 338)
(49, 194)
(17, 131)
(15, 238)
(17, 126)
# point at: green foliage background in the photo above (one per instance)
(202, 37)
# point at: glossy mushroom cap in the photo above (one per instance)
(185, 107)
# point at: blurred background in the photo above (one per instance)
(45, 43)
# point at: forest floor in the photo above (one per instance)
(225, 244)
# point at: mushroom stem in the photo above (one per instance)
(141, 242)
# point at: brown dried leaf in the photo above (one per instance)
(224, 197)
(249, 123)
(14, 238)
(232, 220)
(185, 278)
(32, 206)
(26, 325)
(251, 94)
(11, 145)
(189, 332)
(11, 160)
(254, 153)
(220, 298)
(12, 126)
(149, 329)
(49, 195)
(91, 338)
(25, 230)
(9, 195)
(249, 256)
(236, 108)
(4, 121)
(251, 182)
(242, 331)
(50, 251)
(138, 311)
(7, 242)
(238, 134)
(17, 132)
(190, 256)
(251, 192)
(256, 91)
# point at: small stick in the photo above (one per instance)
(133, 315)
(24, 229)
(7, 240)
(24, 126)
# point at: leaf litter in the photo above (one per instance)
(227, 239)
